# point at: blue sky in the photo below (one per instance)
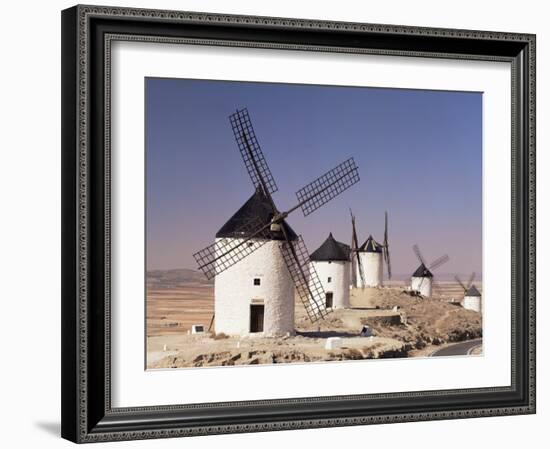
(419, 155)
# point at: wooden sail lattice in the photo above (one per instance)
(319, 192)
(307, 282)
(226, 252)
(251, 152)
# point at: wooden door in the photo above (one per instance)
(328, 300)
(256, 318)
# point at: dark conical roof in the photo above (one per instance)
(371, 246)
(345, 248)
(422, 272)
(472, 291)
(257, 208)
(331, 250)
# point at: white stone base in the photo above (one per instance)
(422, 285)
(372, 269)
(235, 292)
(472, 303)
(334, 343)
(338, 272)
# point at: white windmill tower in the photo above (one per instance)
(369, 257)
(331, 261)
(472, 296)
(257, 260)
(422, 278)
(257, 294)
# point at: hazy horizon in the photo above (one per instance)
(397, 277)
(419, 155)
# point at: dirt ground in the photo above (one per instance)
(172, 311)
(403, 326)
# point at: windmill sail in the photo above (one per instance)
(326, 187)
(353, 250)
(470, 282)
(439, 261)
(251, 152)
(307, 282)
(423, 271)
(387, 245)
(457, 279)
(416, 250)
(226, 252)
(355, 253)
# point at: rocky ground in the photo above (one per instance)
(425, 321)
(403, 326)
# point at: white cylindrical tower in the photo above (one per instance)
(422, 285)
(331, 262)
(421, 281)
(254, 296)
(370, 254)
(472, 299)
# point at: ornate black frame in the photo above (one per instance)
(87, 32)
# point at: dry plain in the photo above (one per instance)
(404, 326)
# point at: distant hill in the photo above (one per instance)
(181, 277)
(186, 277)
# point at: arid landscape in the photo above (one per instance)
(402, 326)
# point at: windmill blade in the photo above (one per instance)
(439, 261)
(471, 280)
(353, 250)
(353, 268)
(224, 253)
(386, 228)
(387, 245)
(326, 187)
(416, 250)
(360, 269)
(307, 282)
(355, 254)
(354, 239)
(387, 259)
(251, 152)
(457, 279)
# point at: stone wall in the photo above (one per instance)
(235, 292)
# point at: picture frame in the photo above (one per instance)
(87, 411)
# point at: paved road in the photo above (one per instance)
(462, 348)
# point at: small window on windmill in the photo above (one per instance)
(256, 281)
(329, 280)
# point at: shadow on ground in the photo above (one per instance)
(326, 334)
(53, 428)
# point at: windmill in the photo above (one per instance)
(422, 278)
(370, 258)
(332, 263)
(259, 233)
(472, 296)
